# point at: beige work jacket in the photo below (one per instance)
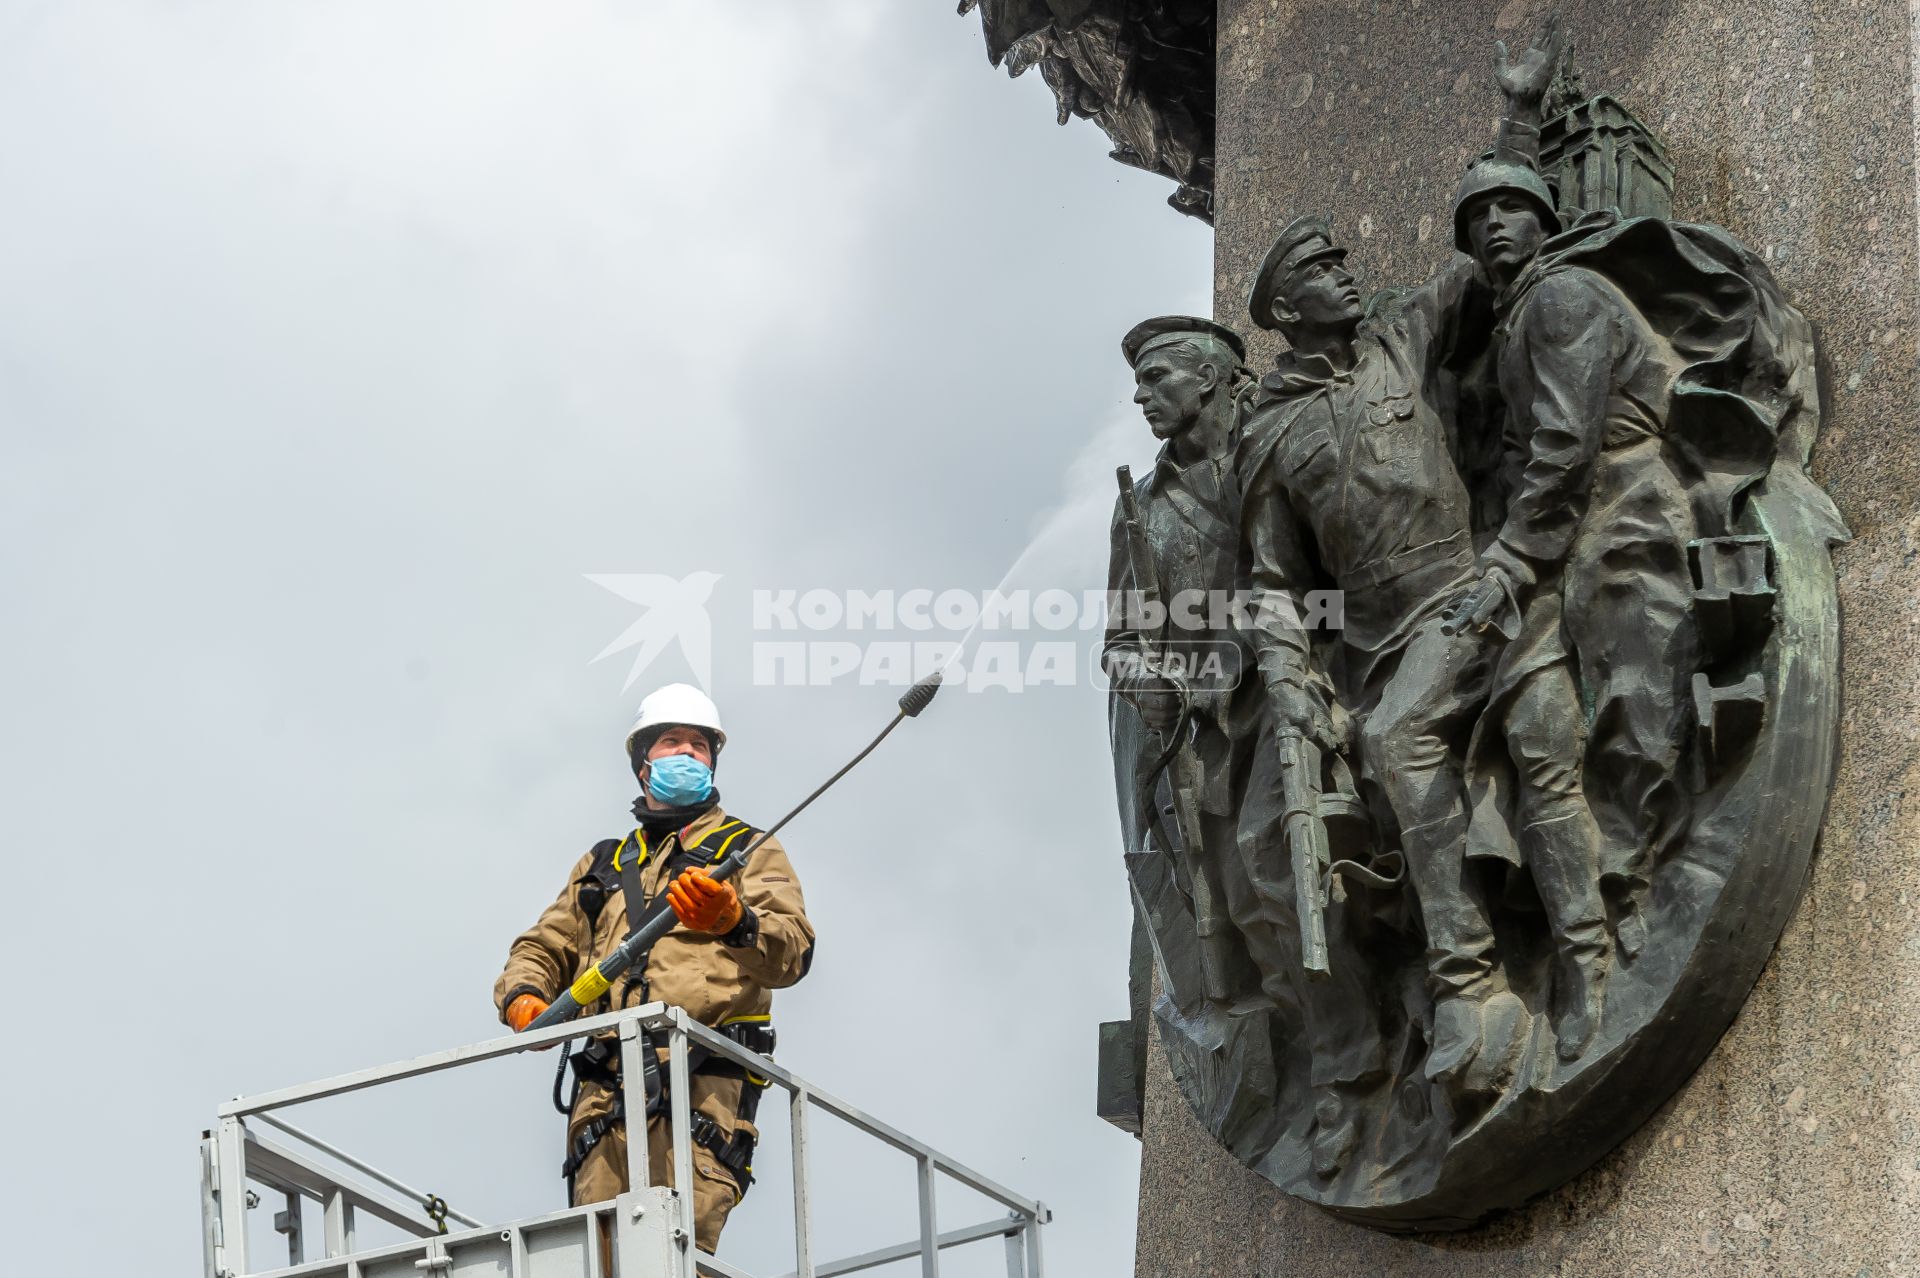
(713, 981)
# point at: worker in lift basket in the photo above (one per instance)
(738, 941)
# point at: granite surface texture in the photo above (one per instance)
(1796, 1148)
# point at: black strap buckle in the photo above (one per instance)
(706, 1132)
(734, 1153)
(590, 1135)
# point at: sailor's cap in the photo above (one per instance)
(1150, 334)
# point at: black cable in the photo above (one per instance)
(560, 1076)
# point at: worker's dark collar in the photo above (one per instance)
(658, 822)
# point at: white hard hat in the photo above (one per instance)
(678, 703)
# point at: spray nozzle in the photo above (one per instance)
(920, 695)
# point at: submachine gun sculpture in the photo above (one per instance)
(1308, 804)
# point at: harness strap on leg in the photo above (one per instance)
(734, 1153)
(590, 1135)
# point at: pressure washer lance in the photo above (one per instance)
(599, 978)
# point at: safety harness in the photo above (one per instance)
(597, 1061)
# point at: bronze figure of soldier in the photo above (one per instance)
(1180, 547)
(1348, 469)
(1597, 522)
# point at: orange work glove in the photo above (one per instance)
(522, 1010)
(703, 904)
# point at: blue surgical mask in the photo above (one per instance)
(679, 780)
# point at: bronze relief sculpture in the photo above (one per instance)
(1448, 888)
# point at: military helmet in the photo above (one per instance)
(1303, 240)
(1148, 334)
(1496, 172)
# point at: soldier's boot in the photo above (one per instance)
(1564, 855)
(1632, 930)
(1336, 1127)
(1501, 1027)
(1630, 926)
(1456, 1036)
(1459, 940)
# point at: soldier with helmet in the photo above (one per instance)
(1593, 545)
(738, 940)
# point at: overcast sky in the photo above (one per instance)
(341, 343)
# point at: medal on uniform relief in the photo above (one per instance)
(1444, 898)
